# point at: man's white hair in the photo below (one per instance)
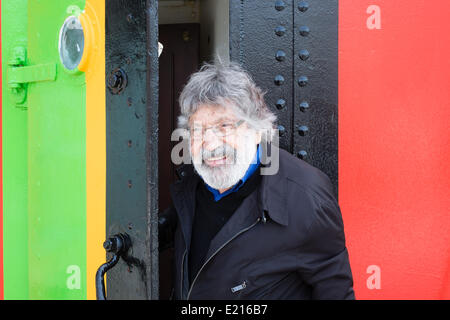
(226, 85)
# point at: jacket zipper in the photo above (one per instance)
(220, 248)
(182, 272)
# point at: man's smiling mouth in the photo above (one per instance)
(216, 161)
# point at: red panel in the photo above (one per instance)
(394, 146)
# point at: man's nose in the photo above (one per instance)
(211, 141)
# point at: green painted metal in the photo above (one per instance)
(14, 141)
(19, 75)
(41, 72)
(17, 59)
(56, 162)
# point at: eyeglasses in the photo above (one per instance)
(222, 129)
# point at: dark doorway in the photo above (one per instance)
(191, 32)
(179, 59)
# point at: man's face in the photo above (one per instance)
(221, 146)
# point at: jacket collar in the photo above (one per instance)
(271, 195)
(183, 198)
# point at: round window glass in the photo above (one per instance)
(71, 43)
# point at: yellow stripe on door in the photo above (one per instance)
(93, 64)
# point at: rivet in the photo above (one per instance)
(130, 143)
(302, 81)
(279, 80)
(281, 130)
(280, 55)
(107, 245)
(129, 101)
(281, 103)
(116, 81)
(280, 30)
(302, 154)
(304, 106)
(130, 184)
(303, 6)
(302, 130)
(303, 54)
(280, 5)
(304, 30)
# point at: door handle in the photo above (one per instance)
(118, 245)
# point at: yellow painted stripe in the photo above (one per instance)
(93, 64)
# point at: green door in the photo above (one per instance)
(14, 158)
(56, 152)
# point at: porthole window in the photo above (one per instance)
(71, 43)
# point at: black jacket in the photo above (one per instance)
(285, 241)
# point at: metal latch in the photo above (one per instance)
(118, 245)
(19, 75)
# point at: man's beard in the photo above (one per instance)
(225, 175)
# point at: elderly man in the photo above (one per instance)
(243, 234)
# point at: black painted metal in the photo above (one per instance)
(290, 49)
(117, 81)
(132, 145)
(259, 32)
(118, 245)
(151, 147)
(316, 98)
(99, 277)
